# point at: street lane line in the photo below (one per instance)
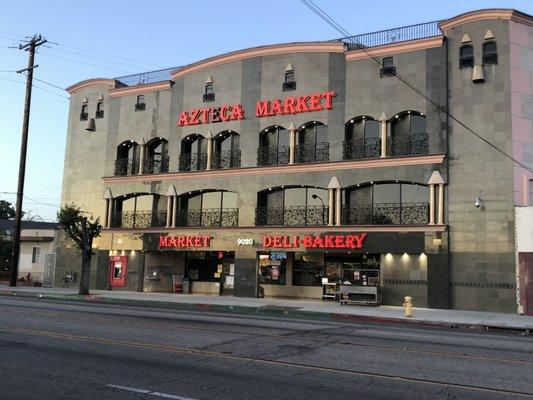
(292, 364)
(150, 393)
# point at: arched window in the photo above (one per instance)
(209, 92)
(408, 134)
(386, 203)
(193, 155)
(361, 138)
(208, 208)
(490, 53)
(100, 109)
(127, 161)
(226, 153)
(466, 56)
(140, 105)
(312, 143)
(156, 161)
(292, 206)
(139, 210)
(289, 82)
(84, 114)
(273, 146)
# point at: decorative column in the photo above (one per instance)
(175, 211)
(383, 134)
(171, 207)
(209, 150)
(331, 205)
(108, 196)
(142, 156)
(338, 207)
(440, 218)
(292, 143)
(432, 204)
(332, 188)
(434, 180)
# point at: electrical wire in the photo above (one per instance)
(34, 200)
(80, 62)
(330, 21)
(36, 87)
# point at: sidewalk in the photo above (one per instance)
(309, 309)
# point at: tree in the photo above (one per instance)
(7, 211)
(81, 230)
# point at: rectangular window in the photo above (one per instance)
(36, 252)
(273, 268)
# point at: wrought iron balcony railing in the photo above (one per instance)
(156, 165)
(208, 217)
(312, 152)
(138, 219)
(226, 159)
(386, 214)
(408, 145)
(126, 166)
(361, 148)
(84, 116)
(273, 155)
(292, 216)
(192, 162)
(99, 114)
(395, 35)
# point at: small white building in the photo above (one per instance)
(38, 243)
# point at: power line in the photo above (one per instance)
(81, 62)
(50, 84)
(35, 86)
(34, 200)
(339, 28)
(97, 58)
(111, 55)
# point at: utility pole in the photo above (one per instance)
(30, 47)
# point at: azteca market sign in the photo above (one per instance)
(263, 108)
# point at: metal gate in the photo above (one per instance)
(49, 269)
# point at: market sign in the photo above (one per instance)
(263, 108)
(184, 241)
(318, 242)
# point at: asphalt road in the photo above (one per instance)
(55, 350)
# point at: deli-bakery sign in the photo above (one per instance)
(312, 241)
(263, 108)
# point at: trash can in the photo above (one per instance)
(186, 286)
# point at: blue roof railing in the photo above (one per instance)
(394, 35)
(146, 77)
(373, 39)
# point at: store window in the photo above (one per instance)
(308, 269)
(273, 267)
(210, 266)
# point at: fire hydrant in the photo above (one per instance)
(408, 306)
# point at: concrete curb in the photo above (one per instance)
(289, 312)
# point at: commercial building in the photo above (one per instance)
(277, 168)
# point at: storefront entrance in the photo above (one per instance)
(210, 272)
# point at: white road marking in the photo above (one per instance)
(150, 393)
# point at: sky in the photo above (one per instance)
(115, 38)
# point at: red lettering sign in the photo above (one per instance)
(208, 115)
(184, 241)
(317, 242)
(295, 105)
